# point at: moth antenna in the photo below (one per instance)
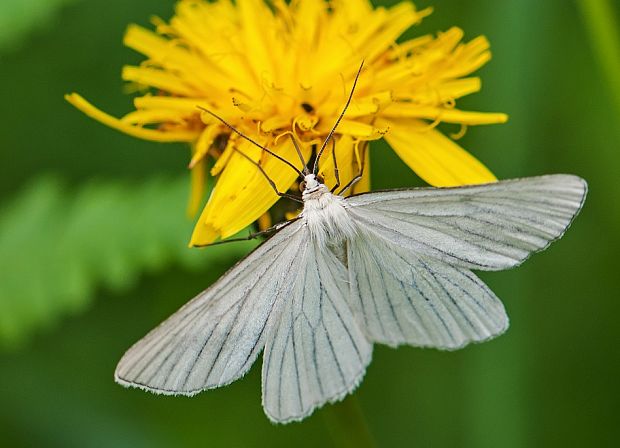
(360, 172)
(249, 139)
(271, 182)
(301, 156)
(331, 133)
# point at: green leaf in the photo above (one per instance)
(58, 247)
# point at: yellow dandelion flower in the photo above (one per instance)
(271, 69)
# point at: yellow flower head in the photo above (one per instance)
(272, 69)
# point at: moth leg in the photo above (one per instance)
(359, 174)
(336, 172)
(251, 235)
(271, 182)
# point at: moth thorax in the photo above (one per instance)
(313, 190)
(328, 220)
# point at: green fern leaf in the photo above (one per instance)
(59, 247)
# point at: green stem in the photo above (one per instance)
(602, 26)
(347, 425)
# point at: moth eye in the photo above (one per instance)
(320, 179)
(302, 186)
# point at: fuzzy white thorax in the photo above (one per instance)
(325, 214)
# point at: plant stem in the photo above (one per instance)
(602, 27)
(347, 425)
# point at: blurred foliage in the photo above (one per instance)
(604, 31)
(66, 239)
(18, 18)
(59, 247)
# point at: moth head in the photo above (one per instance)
(311, 183)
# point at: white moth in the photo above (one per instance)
(391, 267)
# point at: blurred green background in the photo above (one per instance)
(81, 280)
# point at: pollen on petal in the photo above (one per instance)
(157, 78)
(359, 129)
(433, 156)
(135, 131)
(448, 115)
(242, 194)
